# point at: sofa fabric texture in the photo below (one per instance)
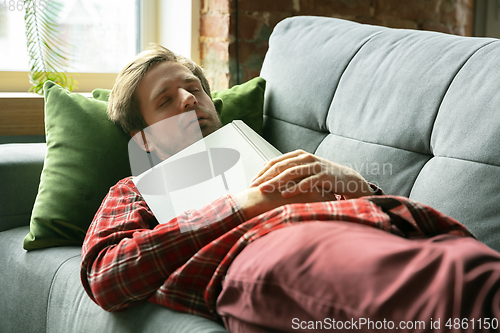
(414, 112)
(20, 168)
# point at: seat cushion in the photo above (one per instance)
(26, 281)
(41, 292)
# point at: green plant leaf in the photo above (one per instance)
(46, 49)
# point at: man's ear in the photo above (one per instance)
(140, 138)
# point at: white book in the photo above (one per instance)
(223, 162)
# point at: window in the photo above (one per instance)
(12, 40)
(104, 36)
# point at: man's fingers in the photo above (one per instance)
(298, 166)
(271, 172)
(286, 178)
(293, 167)
(275, 166)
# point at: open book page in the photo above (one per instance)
(223, 162)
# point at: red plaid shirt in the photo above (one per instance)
(127, 257)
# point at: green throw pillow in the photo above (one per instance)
(86, 155)
(243, 102)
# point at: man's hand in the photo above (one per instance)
(300, 172)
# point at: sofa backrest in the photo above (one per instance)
(416, 112)
(20, 168)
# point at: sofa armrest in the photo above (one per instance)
(20, 170)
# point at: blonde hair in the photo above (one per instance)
(123, 106)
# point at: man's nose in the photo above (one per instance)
(188, 100)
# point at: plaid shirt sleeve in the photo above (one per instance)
(125, 238)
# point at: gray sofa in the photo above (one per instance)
(416, 112)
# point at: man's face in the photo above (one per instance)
(170, 90)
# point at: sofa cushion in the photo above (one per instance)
(415, 112)
(244, 102)
(26, 281)
(41, 292)
(70, 310)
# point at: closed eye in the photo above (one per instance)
(193, 89)
(165, 102)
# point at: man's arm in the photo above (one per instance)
(127, 256)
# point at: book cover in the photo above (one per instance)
(222, 162)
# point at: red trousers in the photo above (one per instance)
(345, 277)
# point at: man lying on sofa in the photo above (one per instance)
(275, 258)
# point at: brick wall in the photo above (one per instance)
(256, 19)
